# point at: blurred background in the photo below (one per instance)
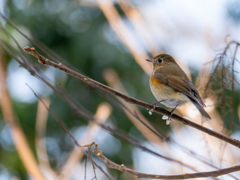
(108, 41)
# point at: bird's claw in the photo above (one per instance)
(168, 119)
(168, 122)
(151, 111)
(154, 106)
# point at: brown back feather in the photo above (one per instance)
(179, 83)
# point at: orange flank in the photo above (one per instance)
(164, 92)
(154, 81)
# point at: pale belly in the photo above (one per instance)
(172, 98)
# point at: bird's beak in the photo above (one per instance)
(150, 60)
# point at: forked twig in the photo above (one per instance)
(90, 157)
(85, 172)
(60, 122)
(123, 168)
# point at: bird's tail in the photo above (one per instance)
(200, 108)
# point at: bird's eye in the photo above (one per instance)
(160, 60)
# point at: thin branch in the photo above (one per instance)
(103, 112)
(129, 99)
(60, 122)
(85, 171)
(90, 155)
(123, 168)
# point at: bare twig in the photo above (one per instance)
(60, 122)
(85, 172)
(129, 99)
(94, 169)
(123, 168)
(103, 112)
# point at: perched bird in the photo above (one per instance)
(171, 86)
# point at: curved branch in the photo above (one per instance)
(123, 168)
(129, 99)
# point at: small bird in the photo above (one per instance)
(171, 86)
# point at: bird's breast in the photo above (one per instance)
(164, 92)
(160, 90)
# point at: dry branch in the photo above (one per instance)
(123, 168)
(129, 99)
(104, 110)
(75, 142)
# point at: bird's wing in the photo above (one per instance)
(182, 85)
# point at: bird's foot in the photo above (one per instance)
(168, 121)
(169, 118)
(150, 111)
(154, 106)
